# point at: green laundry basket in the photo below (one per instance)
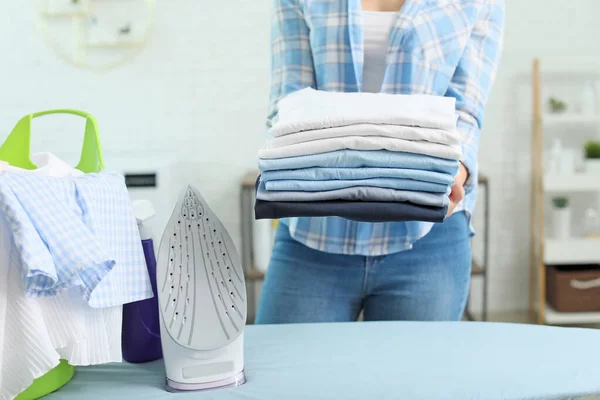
(16, 151)
(49, 382)
(16, 148)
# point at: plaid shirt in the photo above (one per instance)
(446, 48)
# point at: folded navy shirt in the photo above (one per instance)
(364, 211)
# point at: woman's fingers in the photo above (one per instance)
(457, 193)
(456, 196)
(458, 190)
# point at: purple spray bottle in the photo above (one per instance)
(141, 325)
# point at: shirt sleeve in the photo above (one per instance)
(473, 79)
(291, 58)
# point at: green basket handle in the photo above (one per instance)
(17, 147)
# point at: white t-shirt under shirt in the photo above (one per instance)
(376, 26)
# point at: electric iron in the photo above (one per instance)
(202, 299)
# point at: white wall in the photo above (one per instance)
(198, 93)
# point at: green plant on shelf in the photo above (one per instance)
(592, 149)
(560, 202)
(556, 105)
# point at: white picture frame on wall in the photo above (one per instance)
(95, 34)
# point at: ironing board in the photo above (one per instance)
(382, 360)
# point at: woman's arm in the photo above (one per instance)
(291, 58)
(473, 79)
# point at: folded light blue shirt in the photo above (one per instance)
(361, 158)
(324, 174)
(390, 183)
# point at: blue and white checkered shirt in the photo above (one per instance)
(446, 48)
(76, 232)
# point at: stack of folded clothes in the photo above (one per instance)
(362, 156)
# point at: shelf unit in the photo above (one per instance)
(553, 317)
(251, 274)
(582, 182)
(569, 119)
(544, 250)
(254, 276)
(572, 251)
(480, 270)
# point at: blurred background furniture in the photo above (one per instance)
(254, 277)
(563, 126)
(480, 266)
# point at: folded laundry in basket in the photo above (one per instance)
(359, 159)
(316, 109)
(389, 183)
(81, 334)
(365, 211)
(392, 131)
(35, 333)
(363, 143)
(72, 232)
(45, 329)
(357, 193)
(325, 174)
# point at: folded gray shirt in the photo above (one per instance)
(357, 193)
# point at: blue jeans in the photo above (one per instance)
(429, 282)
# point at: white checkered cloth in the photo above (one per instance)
(76, 232)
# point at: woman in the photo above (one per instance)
(331, 269)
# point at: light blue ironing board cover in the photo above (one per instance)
(382, 360)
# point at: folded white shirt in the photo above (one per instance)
(308, 109)
(392, 131)
(362, 143)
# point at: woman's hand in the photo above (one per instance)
(458, 189)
